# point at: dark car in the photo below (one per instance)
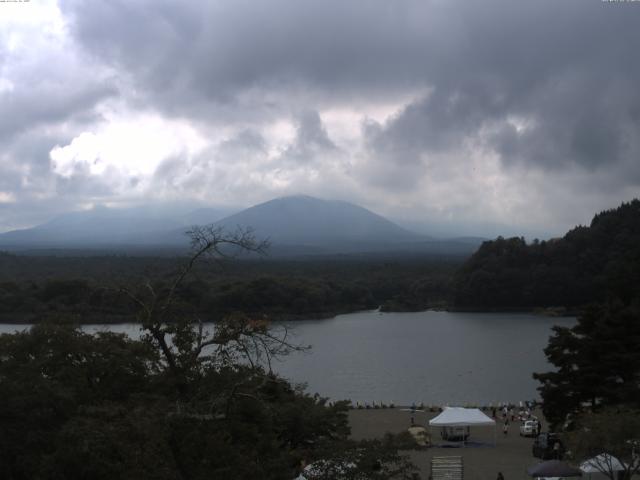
(548, 446)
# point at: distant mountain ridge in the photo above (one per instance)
(294, 225)
(102, 226)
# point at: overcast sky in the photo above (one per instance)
(479, 116)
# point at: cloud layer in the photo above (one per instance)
(487, 117)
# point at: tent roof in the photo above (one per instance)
(603, 462)
(458, 416)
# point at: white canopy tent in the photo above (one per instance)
(463, 417)
(603, 463)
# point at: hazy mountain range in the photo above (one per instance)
(295, 225)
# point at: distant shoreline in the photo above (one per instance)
(93, 319)
(97, 319)
(542, 311)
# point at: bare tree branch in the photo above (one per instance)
(185, 344)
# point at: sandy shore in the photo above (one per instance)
(482, 461)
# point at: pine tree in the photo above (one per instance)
(597, 361)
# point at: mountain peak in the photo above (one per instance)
(296, 220)
(306, 220)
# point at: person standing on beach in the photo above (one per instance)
(505, 427)
(413, 414)
(556, 450)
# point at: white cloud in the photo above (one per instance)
(7, 197)
(43, 15)
(131, 145)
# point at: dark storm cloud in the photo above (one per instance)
(566, 67)
(591, 121)
(46, 82)
(546, 89)
(187, 54)
(247, 140)
(545, 86)
(311, 139)
(47, 103)
(25, 164)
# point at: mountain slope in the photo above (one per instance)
(303, 220)
(103, 226)
(295, 226)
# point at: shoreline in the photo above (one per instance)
(436, 408)
(98, 319)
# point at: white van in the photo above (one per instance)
(529, 428)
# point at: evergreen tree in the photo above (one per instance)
(589, 264)
(597, 362)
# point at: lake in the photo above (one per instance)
(431, 357)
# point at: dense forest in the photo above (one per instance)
(33, 288)
(589, 264)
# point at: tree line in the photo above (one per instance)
(592, 395)
(589, 264)
(281, 289)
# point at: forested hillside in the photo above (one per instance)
(589, 264)
(33, 288)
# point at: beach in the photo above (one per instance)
(511, 454)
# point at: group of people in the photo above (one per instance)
(510, 414)
(509, 410)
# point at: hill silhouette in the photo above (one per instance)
(589, 264)
(104, 227)
(304, 220)
(295, 226)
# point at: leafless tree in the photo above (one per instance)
(186, 344)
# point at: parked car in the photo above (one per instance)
(455, 433)
(529, 428)
(548, 446)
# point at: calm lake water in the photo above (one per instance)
(430, 357)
